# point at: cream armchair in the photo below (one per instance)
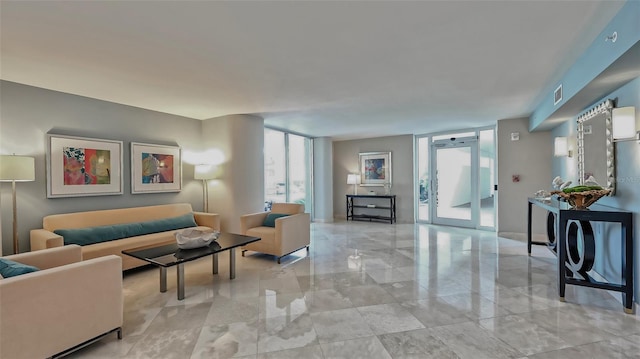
(290, 233)
(67, 303)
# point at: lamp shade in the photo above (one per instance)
(623, 121)
(560, 147)
(353, 178)
(204, 172)
(17, 168)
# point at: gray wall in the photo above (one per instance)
(28, 113)
(627, 195)
(345, 161)
(323, 179)
(530, 157)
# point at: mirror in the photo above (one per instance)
(595, 146)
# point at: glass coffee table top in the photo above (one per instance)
(170, 255)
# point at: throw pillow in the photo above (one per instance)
(270, 221)
(9, 268)
(91, 235)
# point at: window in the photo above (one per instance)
(275, 165)
(287, 166)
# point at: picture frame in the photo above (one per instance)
(81, 166)
(155, 168)
(375, 168)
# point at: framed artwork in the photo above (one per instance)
(155, 168)
(375, 168)
(79, 166)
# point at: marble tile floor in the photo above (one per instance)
(413, 291)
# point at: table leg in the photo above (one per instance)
(627, 268)
(561, 239)
(163, 279)
(348, 210)
(529, 229)
(180, 270)
(232, 263)
(215, 263)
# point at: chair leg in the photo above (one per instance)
(119, 333)
(307, 249)
(279, 260)
(243, 252)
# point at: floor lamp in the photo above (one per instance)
(16, 169)
(205, 173)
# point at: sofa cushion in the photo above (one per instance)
(91, 235)
(270, 221)
(9, 268)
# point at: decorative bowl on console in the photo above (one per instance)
(582, 199)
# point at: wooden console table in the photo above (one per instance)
(374, 211)
(573, 263)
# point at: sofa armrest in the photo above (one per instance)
(51, 258)
(43, 239)
(49, 311)
(252, 220)
(293, 231)
(211, 220)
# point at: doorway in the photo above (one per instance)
(455, 178)
(454, 168)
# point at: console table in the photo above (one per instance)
(365, 210)
(569, 226)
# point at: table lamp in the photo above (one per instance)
(16, 169)
(355, 180)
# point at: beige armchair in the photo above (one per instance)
(65, 305)
(290, 233)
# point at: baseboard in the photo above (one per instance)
(323, 220)
(522, 237)
(616, 295)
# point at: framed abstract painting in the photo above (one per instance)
(79, 166)
(375, 168)
(155, 168)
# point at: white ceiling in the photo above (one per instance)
(339, 69)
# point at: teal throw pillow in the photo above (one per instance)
(270, 221)
(91, 235)
(9, 268)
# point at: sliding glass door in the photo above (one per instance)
(287, 166)
(424, 181)
(487, 178)
(275, 164)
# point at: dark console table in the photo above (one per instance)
(569, 226)
(362, 207)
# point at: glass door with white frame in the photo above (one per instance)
(422, 147)
(454, 194)
(486, 173)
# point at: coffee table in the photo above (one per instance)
(168, 255)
